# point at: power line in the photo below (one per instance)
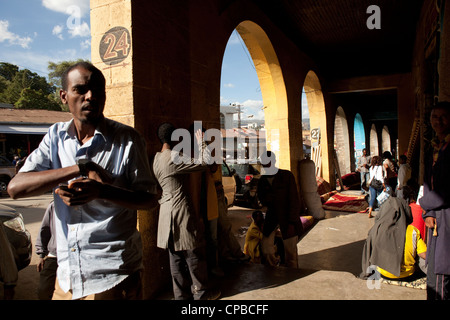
(245, 49)
(24, 67)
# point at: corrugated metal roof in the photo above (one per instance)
(26, 116)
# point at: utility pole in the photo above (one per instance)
(239, 113)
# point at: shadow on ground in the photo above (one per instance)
(343, 258)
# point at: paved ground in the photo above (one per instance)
(32, 210)
(329, 259)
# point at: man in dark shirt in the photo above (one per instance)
(436, 203)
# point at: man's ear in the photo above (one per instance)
(63, 96)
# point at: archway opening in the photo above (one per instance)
(314, 117)
(359, 136)
(241, 105)
(341, 141)
(272, 90)
(385, 140)
(374, 141)
(306, 127)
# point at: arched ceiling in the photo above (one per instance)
(335, 33)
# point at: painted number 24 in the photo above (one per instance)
(116, 45)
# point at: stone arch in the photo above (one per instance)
(273, 90)
(317, 117)
(359, 136)
(374, 141)
(385, 140)
(342, 141)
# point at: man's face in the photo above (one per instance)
(85, 96)
(440, 121)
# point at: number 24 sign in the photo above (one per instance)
(115, 45)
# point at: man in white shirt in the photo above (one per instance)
(107, 177)
(363, 168)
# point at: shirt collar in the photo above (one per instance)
(101, 129)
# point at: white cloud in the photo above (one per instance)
(86, 44)
(38, 62)
(252, 109)
(224, 101)
(80, 30)
(228, 85)
(57, 31)
(67, 6)
(75, 9)
(12, 38)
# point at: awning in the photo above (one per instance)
(24, 128)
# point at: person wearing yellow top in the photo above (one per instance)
(254, 236)
(414, 245)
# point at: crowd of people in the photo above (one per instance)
(419, 222)
(89, 246)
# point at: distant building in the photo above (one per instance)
(226, 116)
(21, 130)
(245, 143)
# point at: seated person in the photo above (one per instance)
(414, 246)
(254, 236)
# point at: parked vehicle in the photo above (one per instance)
(18, 236)
(7, 172)
(249, 174)
(229, 184)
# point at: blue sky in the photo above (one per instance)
(34, 32)
(239, 82)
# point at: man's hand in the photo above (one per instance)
(40, 265)
(430, 222)
(80, 191)
(96, 172)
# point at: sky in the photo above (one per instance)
(239, 81)
(34, 32)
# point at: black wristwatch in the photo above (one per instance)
(82, 167)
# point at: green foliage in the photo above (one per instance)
(3, 85)
(57, 69)
(27, 90)
(36, 99)
(14, 81)
(8, 70)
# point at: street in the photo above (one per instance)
(329, 261)
(33, 210)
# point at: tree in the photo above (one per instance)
(8, 70)
(55, 74)
(3, 85)
(28, 90)
(57, 69)
(36, 99)
(23, 79)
